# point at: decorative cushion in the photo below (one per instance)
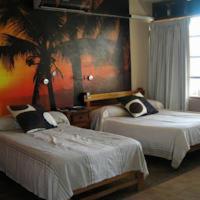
(32, 119)
(59, 117)
(137, 106)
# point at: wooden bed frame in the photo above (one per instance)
(95, 98)
(110, 186)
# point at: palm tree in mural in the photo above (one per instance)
(41, 36)
(46, 35)
(85, 37)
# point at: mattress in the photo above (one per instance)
(55, 162)
(167, 134)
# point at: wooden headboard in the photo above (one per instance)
(92, 98)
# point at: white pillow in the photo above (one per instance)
(8, 123)
(156, 104)
(138, 94)
(99, 115)
(115, 111)
(59, 117)
(110, 111)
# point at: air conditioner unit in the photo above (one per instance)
(63, 4)
(89, 7)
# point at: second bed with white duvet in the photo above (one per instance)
(167, 134)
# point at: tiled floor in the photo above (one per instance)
(183, 187)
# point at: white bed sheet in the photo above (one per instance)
(167, 134)
(52, 163)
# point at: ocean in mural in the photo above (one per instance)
(46, 57)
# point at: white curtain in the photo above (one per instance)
(169, 63)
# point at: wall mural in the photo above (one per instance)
(63, 50)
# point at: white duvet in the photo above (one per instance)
(55, 162)
(166, 134)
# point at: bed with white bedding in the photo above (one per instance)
(167, 134)
(56, 162)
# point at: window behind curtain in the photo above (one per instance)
(194, 89)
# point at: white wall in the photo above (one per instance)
(140, 7)
(139, 36)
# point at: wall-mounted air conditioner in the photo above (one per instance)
(64, 4)
(89, 7)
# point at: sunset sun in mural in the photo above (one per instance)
(15, 78)
(5, 80)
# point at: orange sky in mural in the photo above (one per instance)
(100, 72)
(88, 68)
(66, 68)
(16, 81)
(19, 82)
(14, 84)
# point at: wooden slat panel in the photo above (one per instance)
(140, 179)
(107, 181)
(106, 96)
(116, 183)
(93, 98)
(110, 190)
(195, 148)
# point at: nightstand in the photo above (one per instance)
(78, 117)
